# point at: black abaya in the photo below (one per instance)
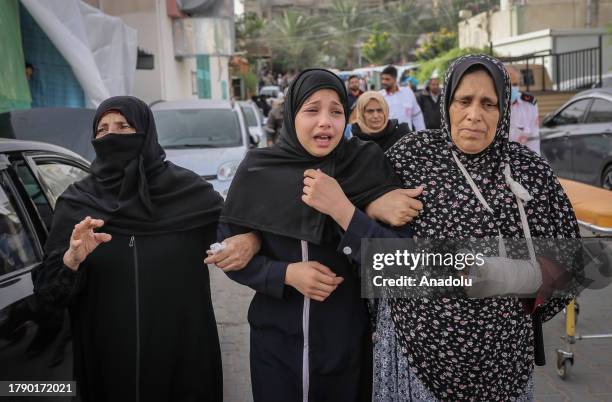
(141, 314)
(142, 318)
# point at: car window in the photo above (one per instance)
(35, 192)
(249, 114)
(600, 112)
(184, 128)
(58, 176)
(573, 113)
(16, 243)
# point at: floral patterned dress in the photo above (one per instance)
(468, 349)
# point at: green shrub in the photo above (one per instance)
(441, 63)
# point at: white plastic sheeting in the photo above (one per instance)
(100, 49)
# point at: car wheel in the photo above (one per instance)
(606, 178)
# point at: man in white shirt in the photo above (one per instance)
(402, 103)
(524, 117)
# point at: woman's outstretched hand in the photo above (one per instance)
(84, 241)
(324, 194)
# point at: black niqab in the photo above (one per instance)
(132, 187)
(267, 189)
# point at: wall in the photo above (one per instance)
(485, 27)
(587, 40)
(175, 73)
(171, 78)
(219, 71)
(561, 14)
(534, 42)
(536, 15)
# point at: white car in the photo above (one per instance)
(255, 121)
(206, 136)
(271, 91)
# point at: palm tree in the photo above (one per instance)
(346, 21)
(402, 21)
(293, 39)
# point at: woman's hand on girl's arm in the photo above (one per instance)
(324, 194)
(84, 241)
(238, 251)
(397, 207)
(312, 279)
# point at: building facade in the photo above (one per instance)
(177, 44)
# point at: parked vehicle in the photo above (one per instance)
(577, 138)
(606, 81)
(270, 91)
(206, 136)
(35, 342)
(255, 122)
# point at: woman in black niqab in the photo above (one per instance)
(142, 319)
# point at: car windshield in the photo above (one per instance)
(198, 128)
(249, 114)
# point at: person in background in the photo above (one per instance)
(429, 101)
(403, 105)
(29, 70)
(262, 104)
(353, 90)
(524, 115)
(275, 120)
(409, 80)
(371, 122)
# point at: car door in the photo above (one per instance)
(32, 342)
(555, 136)
(39, 342)
(592, 146)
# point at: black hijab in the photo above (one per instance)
(132, 187)
(386, 137)
(267, 189)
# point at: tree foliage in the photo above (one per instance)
(438, 43)
(389, 32)
(290, 38)
(440, 64)
(377, 48)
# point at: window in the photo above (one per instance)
(16, 243)
(58, 176)
(573, 113)
(35, 192)
(601, 112)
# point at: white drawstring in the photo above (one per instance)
(522, 196)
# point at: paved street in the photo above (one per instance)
(589, 380)
(231, 302)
